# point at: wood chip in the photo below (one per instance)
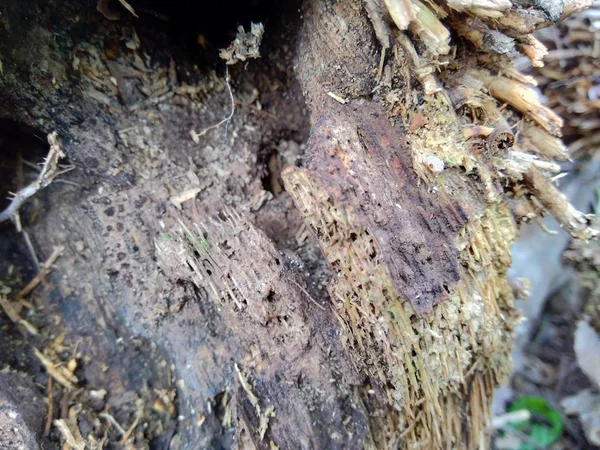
(188, 194)
(337, 98)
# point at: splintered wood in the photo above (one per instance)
(417, 227)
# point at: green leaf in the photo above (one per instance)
(542, 433)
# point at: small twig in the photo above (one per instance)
(307, 294)
(411, 426)
(48, 173)
(54, 372)
(29, 244)
(337, 98)
(50, 407)
(45, 270)
(128, 7)
(9, 310)
(129, 431)
(110, 419)
(29, 327)
(226, 120)
(15, 316)
(67, 182)
(71, 441)
(63, 169)
(31, 165)
(246, 385)
(573, 221)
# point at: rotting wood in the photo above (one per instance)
(241, 272)
(250, 310)
(413, 248)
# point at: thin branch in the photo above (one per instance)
(45, 269)
(50, 413)
(226, 120)
(49, 171)
(17, 222)
(110, 419)
(307, 294)
(63, 376)
(29, 244)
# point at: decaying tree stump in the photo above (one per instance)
(426, 151)
(415, 220)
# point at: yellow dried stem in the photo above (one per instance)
(516, 75)
(9, 309)
(429, 30)
(59, 373)
(536, 140)
(482, 8)
(437, 9)
(505, 68)
(424, 72)
(573, 221)
(493, 115)
(401, 11)
(128, 7)
(533, 49)
(525, 100)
